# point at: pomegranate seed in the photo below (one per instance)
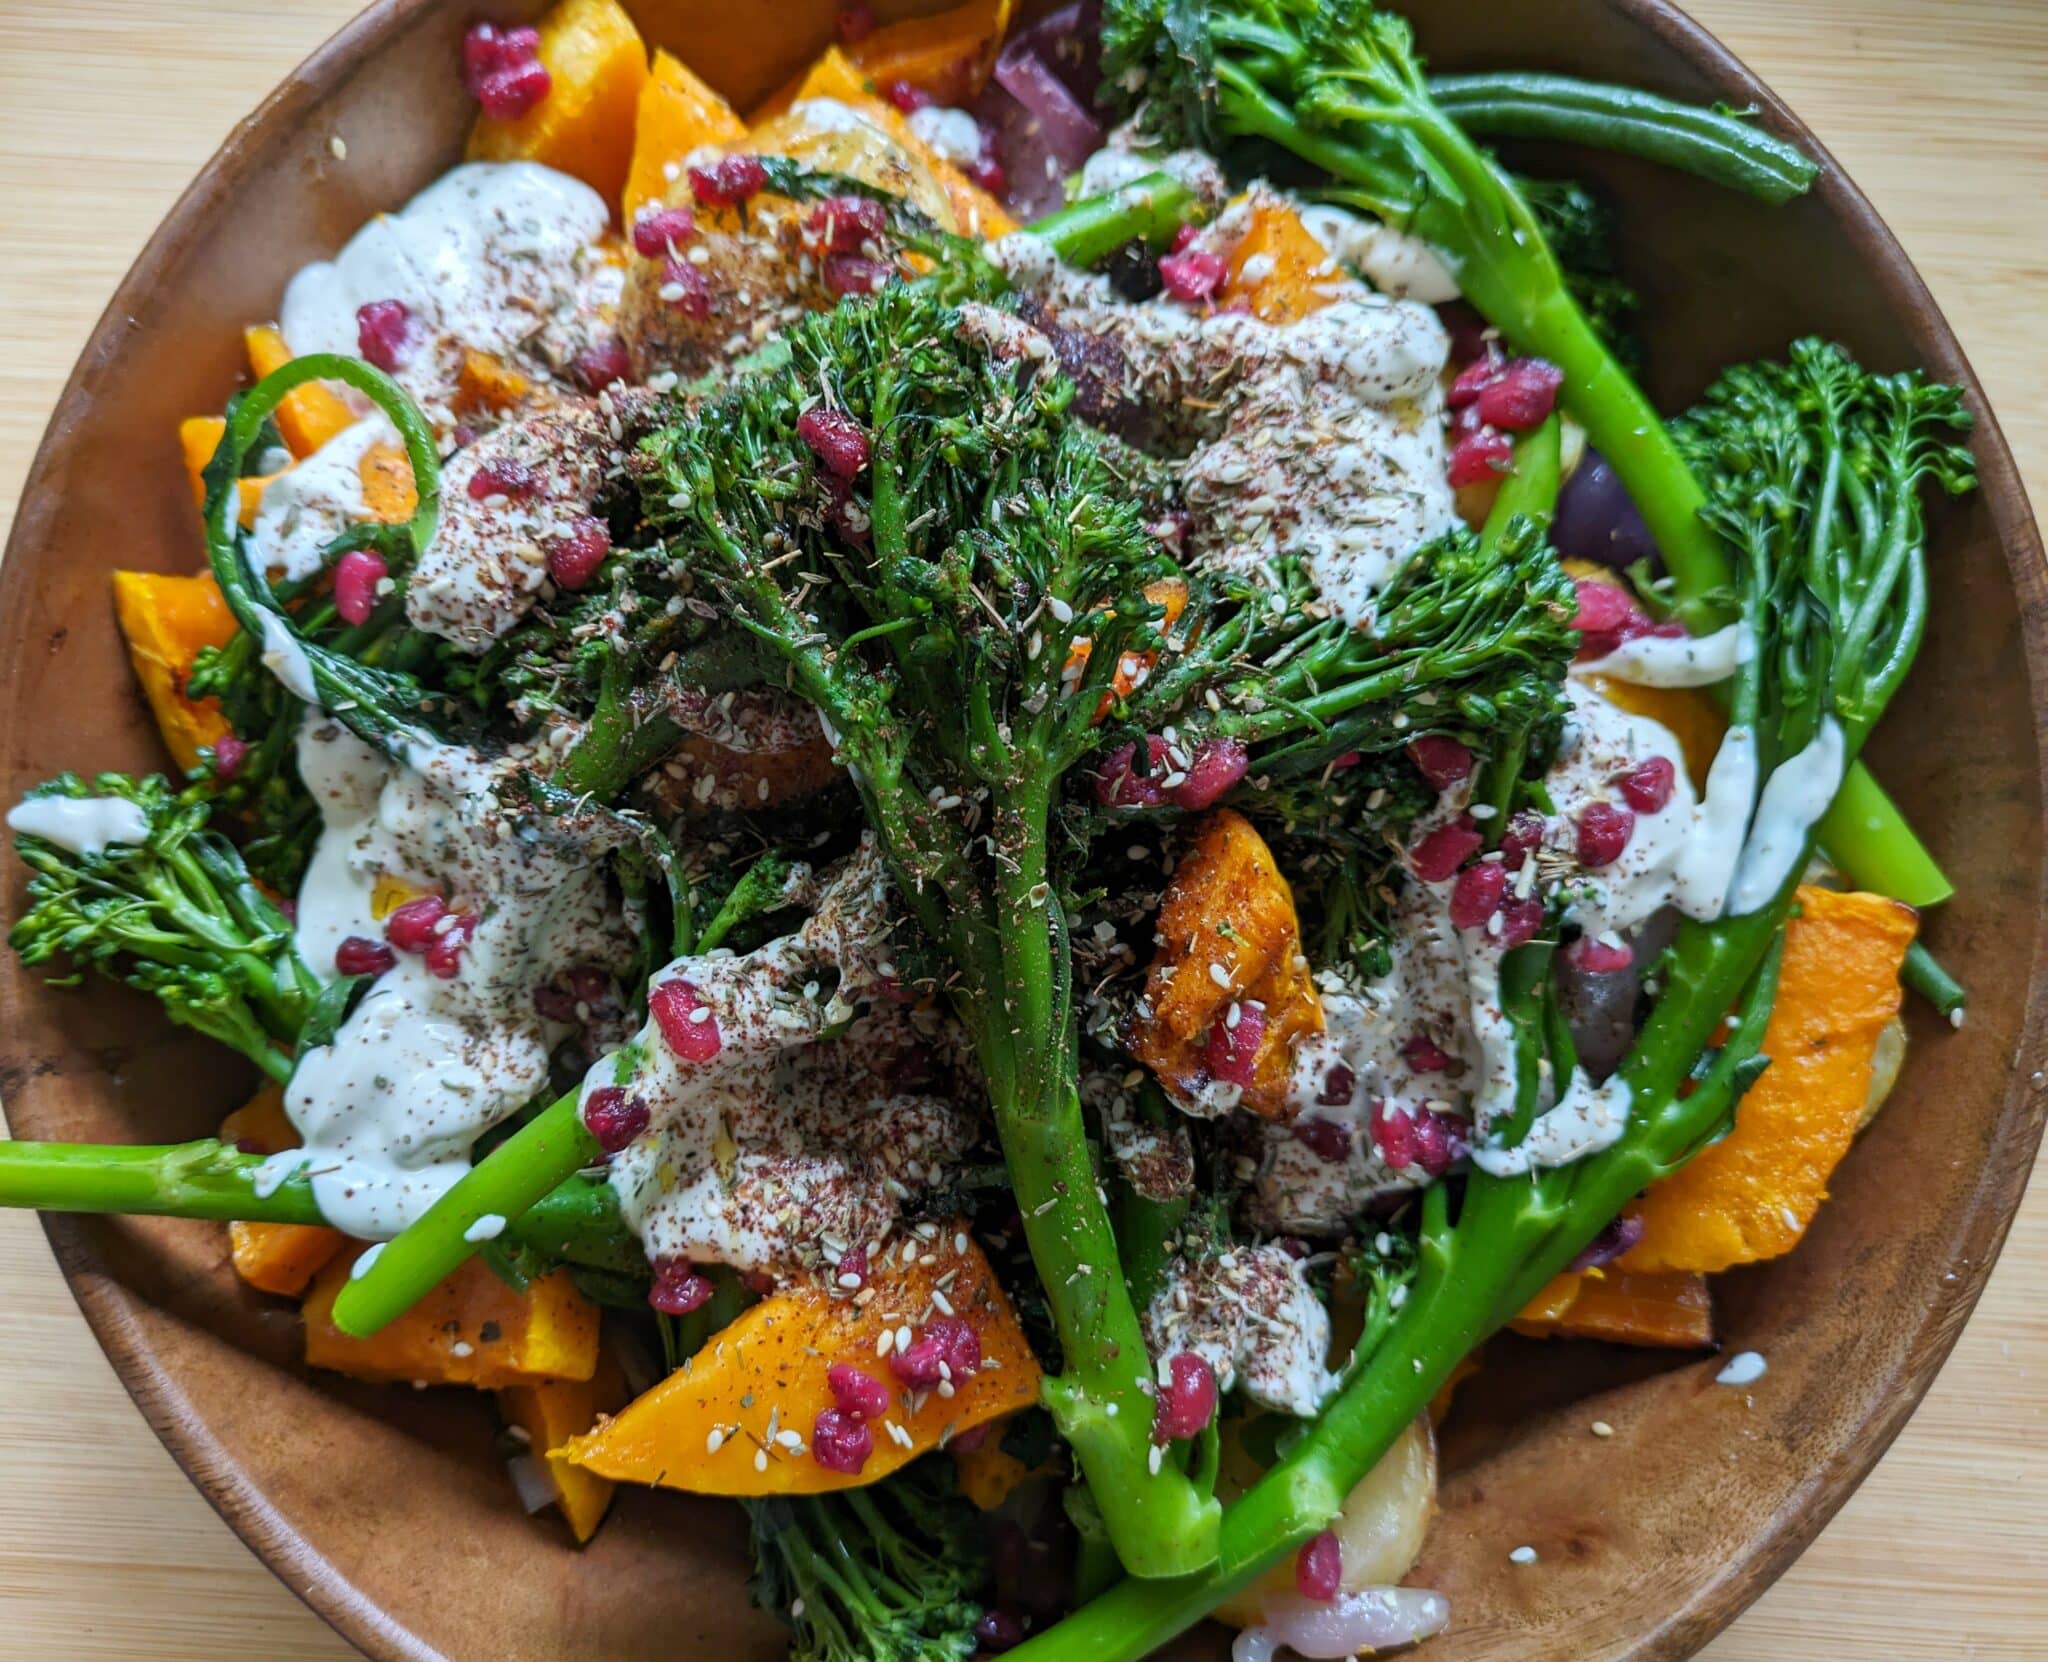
(1520, 920)
(1443, 762)
(1466, 422)
(657, 230)
(491, 46)
(510, 93)
(1185, 236)
(973, 1437)
(854, 23)
(1319, 1568)
(998, 1629)
(860, 1395)
(678, 1288)
(503, 71)
(1604, 831)
(1602, 608)
(444, 957)
(835, 439)
(1595, 957)
(593, 986)
(947, 1349)
(1522, 396)
(410, 927)
(728, 181)
(1425, 1055)
(599, 366)
(574, 560)
(1470, 333)
(1194, 275)
(843, 223)
(1350, 759)
(229, 753)
(1647, 787)
(613, 1117)
(506, 478)
(1480, 456)
(356, 576)
(1444, 850)
(359, 955)
(1216, 766)
(840, 1442)
(685, 288)
(855, 1264)
(1118, 784)
(1416, 1137)
(1338, 1084)
(1669, 630)
(1524, 835)
(1474, 379)
(1326, 1139)
(855, 274)
(384, 333)
(1233, 1052)
(910, 100)
(988, 173)
(1477, 894)
(1187, 1401)
(674, 1005)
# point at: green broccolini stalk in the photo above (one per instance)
(1837, 459)
(1339, 84)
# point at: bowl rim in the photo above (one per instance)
(1973, 1249)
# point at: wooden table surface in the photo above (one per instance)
(107, 107)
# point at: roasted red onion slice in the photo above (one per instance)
(1373, 1619)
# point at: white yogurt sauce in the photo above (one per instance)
(1676, 661)
(390, 1111)
(1251, 1314)
(80, 825)
(1394, 262)
(954, 134)
(1701, 890)
(1120, 162)
(1799, 791)
(312, 503)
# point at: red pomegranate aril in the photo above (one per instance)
(1418, 1137)
(989, 174)
(384, 333)
(444, 957)
(1187, 1401)
(843, 223)
(1443, 762)
(1524, 835)
(910, 100)
(512, 92)
(1604, 831)
(728, 181)
(229, 753)
(1474, 379)
(1444, 850)
(858, 1394)
(1597, 957)
(1233, 1052)
(693, 1037)
(1327, 1140)
(840, 1442)
(613, 1117)
(684, 288)
(855, 274)
(601, 365)
(835, 439)
(1338, 1085)
(1194, 275)
(678, 1288)
(490, 46)
(854, 1263)
(947, 1349)
(1477, 894)
(854, 24)
(574, 560)
(1603, 609)
(1520, 920)
(593, 986)
(410, 927)
(1185, 237)
(359, 955)
(356, 576)
(504, 477)
(999, 1629)
(1217, 765)
(1480, 456)
(1424, 1055)
(1118, 784)
(657, 230)
(1647, 786)
(502, 69)
(1319, 1568)
(1522, 396)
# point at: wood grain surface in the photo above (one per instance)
(1939, 108)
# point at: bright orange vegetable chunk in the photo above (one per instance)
(388, 489)
(307, 416)
(166, 621)
(948, 54)
(274, 1257)
(1279, 268)
(713, 1425)
(677, 113)
(1627, 1307)
(743, 51)
(584, 126)
(198, 438)
(1751, 1195)
(550, 1412)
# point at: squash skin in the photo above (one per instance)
(676, 114)
(584, 127)
(772, 1361)
(166, 620)
(473, 1329)
(550, 1412)
(278, 1258)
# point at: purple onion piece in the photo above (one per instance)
(1610, 1243)
(1036, 177)
(1597, 520)
(1601, 1008)
(1071, 133)
(1069, 38)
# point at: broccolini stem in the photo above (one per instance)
(1924, 974)
(1151, 208)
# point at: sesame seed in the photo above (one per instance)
(1602, 1429)
(716, 1441)
(760, 1460)
(1154, 1458)
(1219, 975)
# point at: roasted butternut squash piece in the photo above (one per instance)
(274, 1257)
(550, 1412)
(723, 1423)
(473, 1329)
(198, 438)
(1750, 1196)
(986, 1474)
(729, 46)
(676, 114)
(486, 385)
(584, 126)
(948, 54)
(1228, 935)
(388, 489)
(166, 620)
(307, 416)
(1626, 1307)
(1132, 667)
(1279, 269)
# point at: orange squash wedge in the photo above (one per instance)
(677, 114)
(166, 620)
(948, 54)
(275, 1258)
(198, 438)
(1670, 1310)
(550, 1412)
(307, 416)
(1279, 269)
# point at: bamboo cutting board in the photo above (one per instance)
(107, 107)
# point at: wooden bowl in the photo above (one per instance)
(388, 1510)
